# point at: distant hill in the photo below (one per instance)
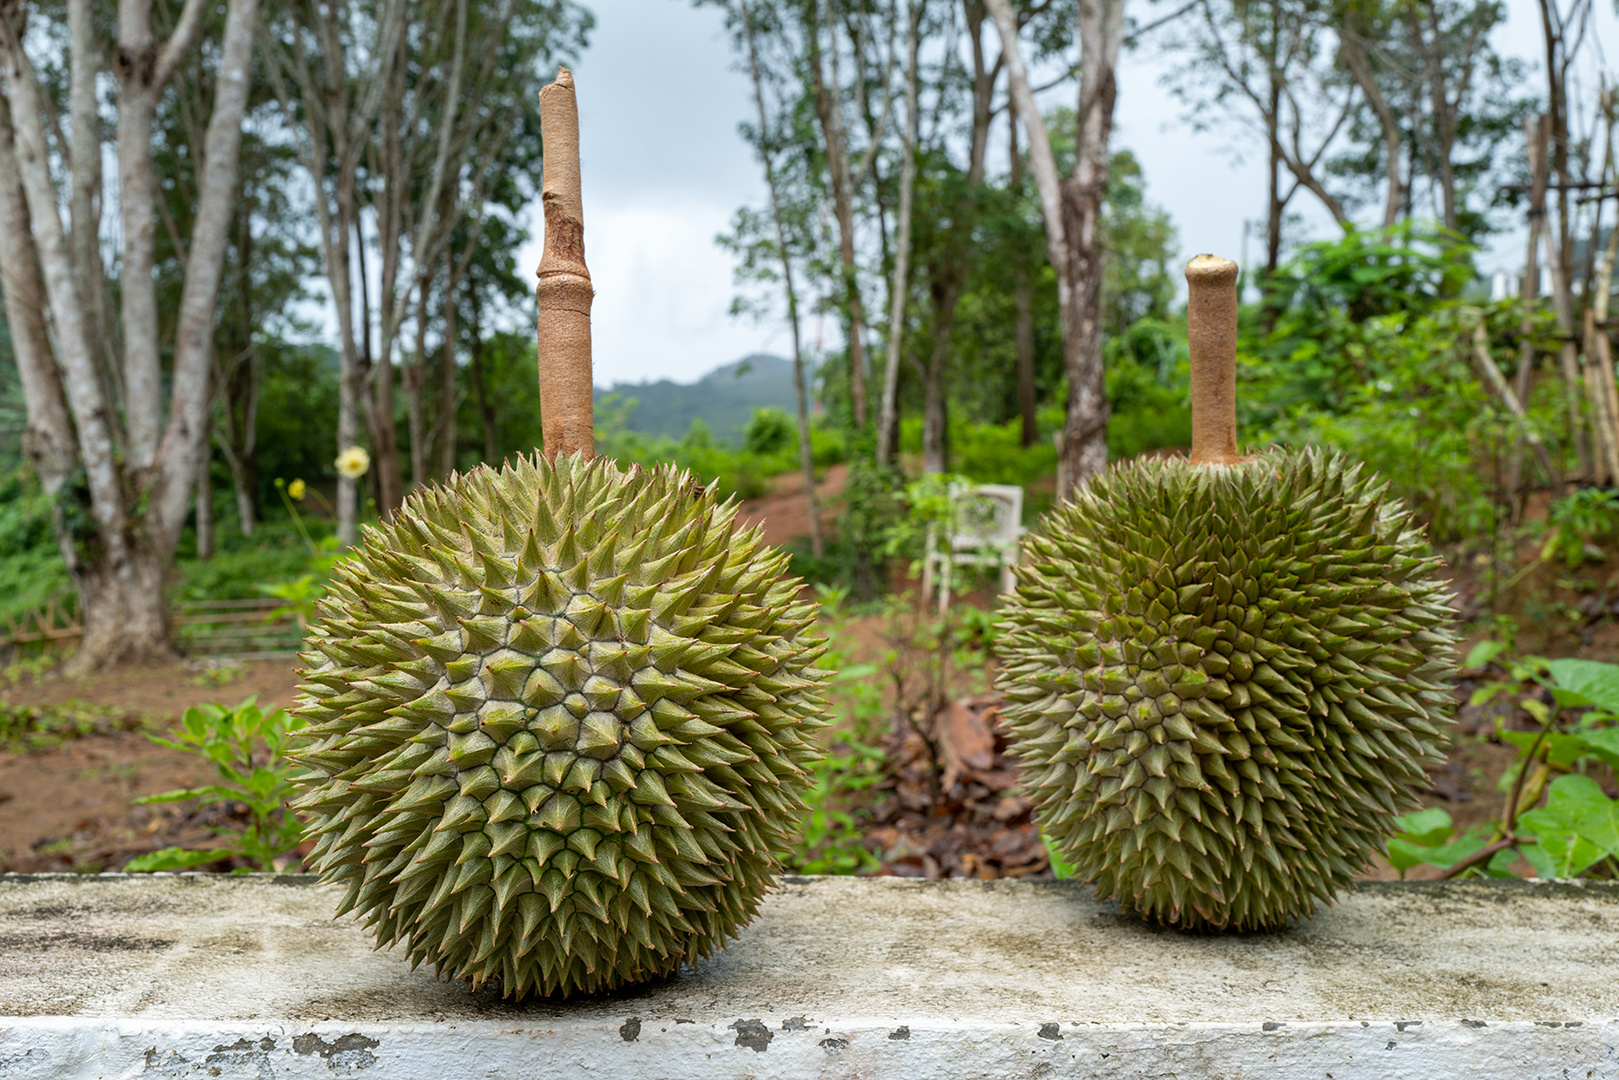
(724, 399)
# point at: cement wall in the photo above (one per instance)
(212, 976)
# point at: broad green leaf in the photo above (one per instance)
(1578, 826)
(1604, 743)
(1591, 679)
(1568, 699)
(1426, 828)
(172, 858)
(1500, 864)
(1059, 866)
(1543, 863)
(1481, 654)
(1561, 750)
(1403, 854)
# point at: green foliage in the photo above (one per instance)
(1577, 831)
(31, 567)
(994, 453)
(770, 432)
(745, 472)
(1579, 520)
(29, 728)
(1148, 387)
(833, 827)
(1365, 344)
(831, 841)
(246, 746)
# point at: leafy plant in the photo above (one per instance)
(1577, 831)
(831, 842)
(1579, 520)
(245, 745)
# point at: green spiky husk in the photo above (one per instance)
(1226, 681)
(559, 723)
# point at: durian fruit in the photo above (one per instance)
(1226, 675)
(559, 718)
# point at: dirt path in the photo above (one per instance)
(783, 513)
(68, 806)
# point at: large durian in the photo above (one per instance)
(559, 714)
(558, 722)
(1226, 675)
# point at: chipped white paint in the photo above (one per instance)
(206, 976)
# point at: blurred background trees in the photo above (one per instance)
(364, 289)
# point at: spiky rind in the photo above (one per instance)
(560, 718)
(1226, 681)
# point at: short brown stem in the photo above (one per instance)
(564, 292)
(1211, 329)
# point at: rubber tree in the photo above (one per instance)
(122, 441)
(1072, 208)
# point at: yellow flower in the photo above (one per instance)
(296, 489)
(353, 462)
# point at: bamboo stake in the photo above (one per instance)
(564, 292)
(1598, 348)
(1599, 377)
(1503, 390)
(1601, 436)
(1211, 329)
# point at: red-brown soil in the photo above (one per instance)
(784, 514)
(68, 806)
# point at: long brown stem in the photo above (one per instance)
(564, 291)
(1211, 329)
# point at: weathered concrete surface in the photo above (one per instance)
(211, 976)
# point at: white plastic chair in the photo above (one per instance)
(985, 530)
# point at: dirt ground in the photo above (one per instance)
(69, 806)
(783, 513)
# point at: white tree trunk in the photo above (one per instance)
(1073, 219)
(120, 571)
(888, 410)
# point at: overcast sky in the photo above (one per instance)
(664, 170)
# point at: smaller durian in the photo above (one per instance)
(560, 715)
(560, 719)
(1226, 675)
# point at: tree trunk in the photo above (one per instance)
(85, 197)
(486, 410)
(1275, 203)
(829, 107)
(1352, 47)
(1557, 262)
(47, 440)
(389, 208)
(237, 433)
(935, 409)
(415, 394)
(1023, 304)
(888, 412)
(446, 390)
(949, 271)
(806, 451)
(1523, 379)
(337, 110)
(205, 512)
(138, 504)
(1073, 212)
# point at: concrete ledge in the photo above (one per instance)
(212, 976)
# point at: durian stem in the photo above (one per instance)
(1211, 328)
(564, 292)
